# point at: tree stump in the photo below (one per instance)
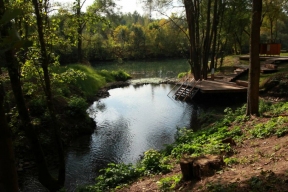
(196, 168)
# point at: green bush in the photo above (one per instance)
(183, 74)
(153, 162)
(263, 130)
(120, 75)
(113, 176)
(169, 183)
(77, 107)
(37, 106)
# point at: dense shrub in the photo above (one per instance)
(77, 107)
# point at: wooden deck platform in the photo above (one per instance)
(216, 86)
(263, 68)
(275, 59)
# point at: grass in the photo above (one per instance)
(89, 80)
(93, 80)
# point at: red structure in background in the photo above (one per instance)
(270, 49)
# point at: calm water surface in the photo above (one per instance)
(132, 120)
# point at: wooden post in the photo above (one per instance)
(212, 74)
(186, 165)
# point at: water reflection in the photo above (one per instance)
(129, 122)
(194, 122)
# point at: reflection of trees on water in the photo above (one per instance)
(100, 106)
(194, 121)
(81, 146)
(97, 106)
(137, 86)
(112, 142)
(160, 138)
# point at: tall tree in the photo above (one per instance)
(198, 17)
(8, 33)
(254, 63)
(45, 60)
(80, 27)
(272, 11)
(8, 173)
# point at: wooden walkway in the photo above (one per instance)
(216, 86)
(275, 59)
(264, 68)
(207, 90)
(191, 88)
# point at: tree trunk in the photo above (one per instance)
(8, 173)
(192, 16)
(214, 33)
(79, 32)
(45, 63)
(254, 65)
(207, 42)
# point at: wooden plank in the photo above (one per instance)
(206, 86)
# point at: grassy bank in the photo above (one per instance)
(89, 80)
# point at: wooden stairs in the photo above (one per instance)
(186, 90)
(239, 71)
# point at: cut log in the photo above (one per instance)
(186, 165)
(199, 167)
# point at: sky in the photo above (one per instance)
(126, 5)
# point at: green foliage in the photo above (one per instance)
(206, 141)
(281, 131)
(263, 130)
(114, 176)
(77, 107)
(183, 74)
(231, 161)
(117, 175)
(94, 80)
(273, 126)
(120, 75)
(37, 106)
(169, 183)
(237, 115)
(264, 106)
(153, 162)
